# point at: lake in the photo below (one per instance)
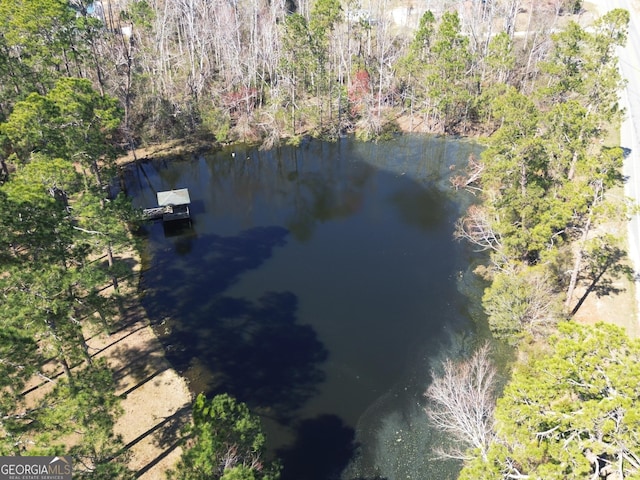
(320, 284)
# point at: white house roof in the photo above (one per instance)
(174, 197)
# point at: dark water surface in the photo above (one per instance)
(318, 284)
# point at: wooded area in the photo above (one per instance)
(568, 412)
(82, 82)
(258, 70)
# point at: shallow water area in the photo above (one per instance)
(318, 284)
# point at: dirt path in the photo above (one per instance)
(618, 305)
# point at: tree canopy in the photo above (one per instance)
(544, 177)
(570, 413)
(75, 87)
(225, 441)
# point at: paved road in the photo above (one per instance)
(630, 129)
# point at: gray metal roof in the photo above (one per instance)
(174, 197)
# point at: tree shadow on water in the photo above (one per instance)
(323, 448)
(256, 352)
(253, 350)
(176, 283)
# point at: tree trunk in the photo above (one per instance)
(114, 278)
(576, 264)
(96, 172)
(574, 159)
(4, 170)
(85, 349)
(65, 366)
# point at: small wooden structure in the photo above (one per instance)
(172, 205)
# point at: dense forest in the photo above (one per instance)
(257, 70)
(83, 82)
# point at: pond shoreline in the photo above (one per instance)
(200, 143)
(397, 186)
(191, 146)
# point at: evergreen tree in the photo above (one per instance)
(225, 442)
(72, 121)
(544, 176)
(571, 413)
(448, 81)
(38, 40)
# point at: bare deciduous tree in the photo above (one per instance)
(461, 403)
(476, 227)
(469, 180)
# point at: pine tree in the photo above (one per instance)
(570, 413)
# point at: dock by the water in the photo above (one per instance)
(165, 213)
(172, 205)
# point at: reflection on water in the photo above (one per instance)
(315, 284)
